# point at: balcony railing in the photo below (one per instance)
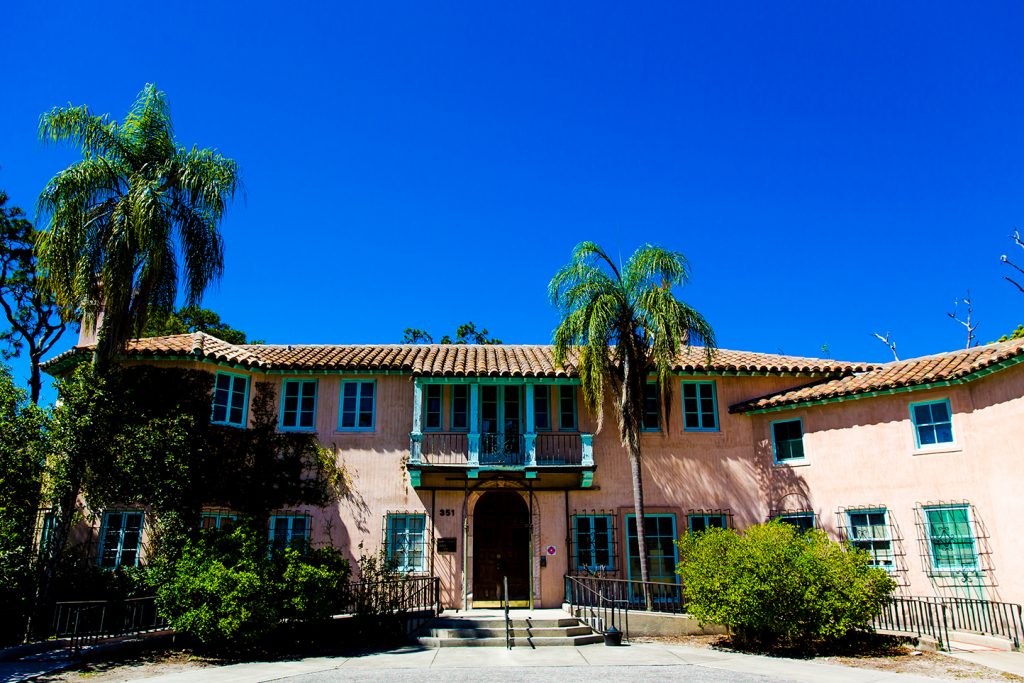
(565, 449)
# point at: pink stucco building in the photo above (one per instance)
(474, 462)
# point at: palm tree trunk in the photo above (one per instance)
(638, 507)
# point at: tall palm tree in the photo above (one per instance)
(626, 323)
(123, 219)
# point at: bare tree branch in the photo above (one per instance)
(971, 337)
(888, 342)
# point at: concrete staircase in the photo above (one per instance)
(541, 628)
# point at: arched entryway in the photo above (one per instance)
(501, 547)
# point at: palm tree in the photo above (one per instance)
(121, 219)
(625, 323)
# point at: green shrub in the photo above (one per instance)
(775, 586)
(229, 593)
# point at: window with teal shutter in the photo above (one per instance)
(357, 406)
(432, 409)
(933, 423)
(460, 408)
(120, 539)
(950, 538)
(700, 407)
(298, 404)
(230, 396)
(788, 440)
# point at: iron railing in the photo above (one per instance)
(593, 600)
(668, 598)
(501, 449)
(985, 617)
(400, 595)
(508, 622)
(560, 448)
(917, 617)
(445, 448)
(84, 622)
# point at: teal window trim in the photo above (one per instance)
(952, 568)
(124, 555)
(300, 383)
(594, 549)
(657, 412)
(405, 540)
(570, 391)
(360, 388)
(868, 541)
(294, 533)
(791, 517)
(701, 415)
(427, 413)
(464, 389)
(216, 519)
(542, 394)
(227, 421)
(705, 520)
(675, 549)
(934, 425)
(775, 446)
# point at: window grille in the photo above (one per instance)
(702, 520)
(408, 541)
(803, 520)
(593, 543)
(289, 530)
(860, 526)
(954, 545)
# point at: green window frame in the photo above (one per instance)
(288, 531)
(933, 423)
(358, 409)
(804, 521)
(460, 408)
(869, 531)
(788, 441)
(567, 419)
(542, 408)
(433, 407)
(406, 542)
(120, 539)
(230, 399)
(652, 408)
(700, 407)
(594, 548)
(217, 520)
(952, 546)
(662, 553)
(703, 521)
(298, 405)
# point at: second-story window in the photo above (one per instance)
(652, 407)
(933, 423)
(788, 440)
(357, 406)
(460, 408)
(298, 404)
(542, 407)
(120, 539)
(230, 396)
(432, 407)
(567, 408)
(700, 412)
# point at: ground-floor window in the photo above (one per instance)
(700, 521)
(593, 543)
(951, 541)
(288, 531)
(803, 521)
(120, 539)
(869, 531)
(406, 541)
(218, 520)
(660, 534)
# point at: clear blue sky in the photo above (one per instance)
(830, 169)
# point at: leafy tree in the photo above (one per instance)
(773, 586)
(464, 334)
(618, 326)
(1016, 334)
(118, 220)
(31, 311)
(21, 465)
(193, 319)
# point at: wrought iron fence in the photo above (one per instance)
(985, 617)
(917, 617)
(501, 449)
(664, 597)
(445, 448)
(593, 601)
(406, 594)
(559, 449)
(85, 622)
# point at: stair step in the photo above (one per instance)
(516, 632)
(541, 641)
(485, 622)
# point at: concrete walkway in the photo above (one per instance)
(592, 662)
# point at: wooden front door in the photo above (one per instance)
(501, 548)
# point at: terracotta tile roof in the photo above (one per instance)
(943, 367)
(452, 360)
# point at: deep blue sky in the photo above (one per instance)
(830, 169)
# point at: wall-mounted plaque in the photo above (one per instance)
(446, 545)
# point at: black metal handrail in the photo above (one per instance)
(559, 448)
(985, 617)
(85, 622)
(589, 600)
(397, 595)
(917, 617)
(668, 598)
(508, 623)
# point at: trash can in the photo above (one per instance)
(613, 636)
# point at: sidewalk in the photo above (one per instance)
(461, 661)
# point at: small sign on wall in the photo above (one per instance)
(446, 545)
(552, 550)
